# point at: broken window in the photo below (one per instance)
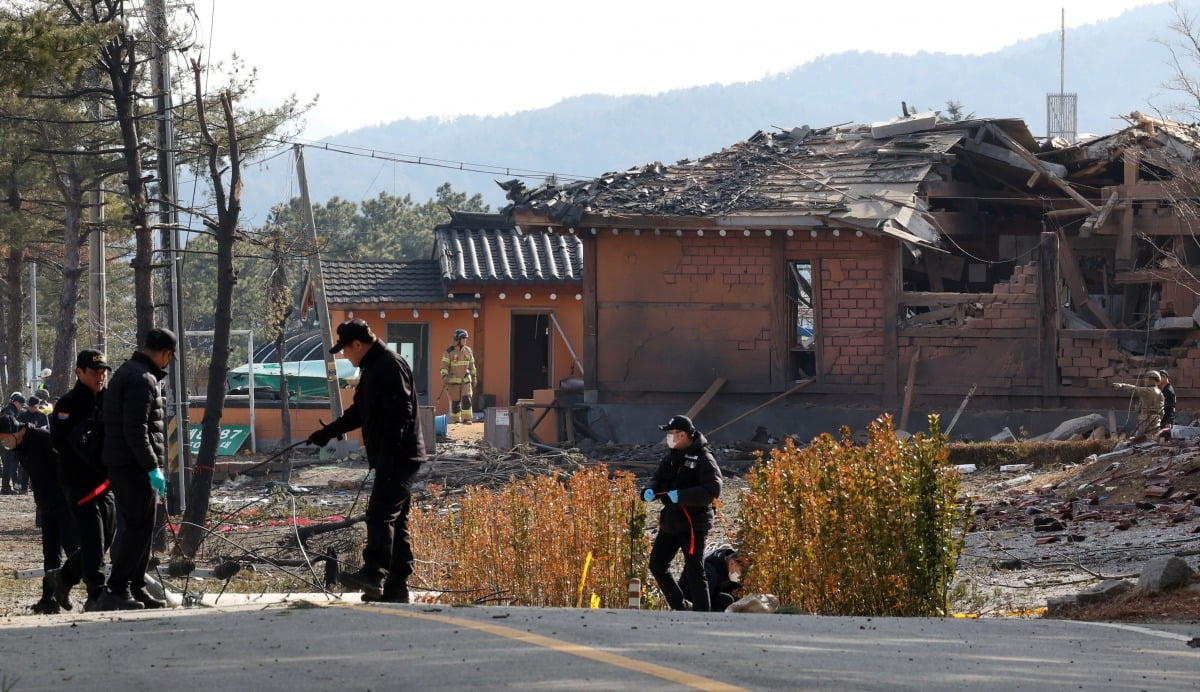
(802, 301)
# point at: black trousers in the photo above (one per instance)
(388, 552)
(60, 536)
(135, 507)
(96, 520)
(666, 545)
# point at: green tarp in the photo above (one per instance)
(305, 378)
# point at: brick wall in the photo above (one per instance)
(996, 347)
(1093, 361)
(730, 260)
(851, 324)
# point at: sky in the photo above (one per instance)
(378, 61)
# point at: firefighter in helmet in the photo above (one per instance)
(458, 373)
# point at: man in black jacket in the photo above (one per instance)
(135, 449)
(686, 482)
(385, 407)
(82, 472)
(11, 481)
(35, 453)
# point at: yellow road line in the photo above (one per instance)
(669, 674)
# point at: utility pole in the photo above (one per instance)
(33, 318)
(169, 227)
(318, 284)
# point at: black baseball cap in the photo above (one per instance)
(679, 423)
(160, 339)
(91, 358)
(352, 330)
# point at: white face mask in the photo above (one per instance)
(669, 440)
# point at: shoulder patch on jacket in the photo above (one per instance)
(63, 415)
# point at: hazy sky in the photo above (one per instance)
(376, 61)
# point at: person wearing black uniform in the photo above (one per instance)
(36, 455)
(33, 414)
(1168, 416)
(11, 481)
(723, 571)
(134, 452)
(686, 482)
(385, 407)
(82, 473)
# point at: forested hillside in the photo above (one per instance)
(1115, 66)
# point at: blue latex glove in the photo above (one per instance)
(158, 481)
(673, 496)
(648, 494)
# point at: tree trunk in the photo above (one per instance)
(14, 330)
(225, 232)
(63, 360)
(120, 61)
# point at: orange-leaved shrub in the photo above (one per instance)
(840, 529)
(527, 542)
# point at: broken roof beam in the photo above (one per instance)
(1100, 218)
(1079, 295)
(1043, 166)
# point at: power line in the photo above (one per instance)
(420, 160)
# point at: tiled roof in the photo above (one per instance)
(385, 281)
(868, 176)
(489, 249)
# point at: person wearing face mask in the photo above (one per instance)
(134, 453)
(687, 482)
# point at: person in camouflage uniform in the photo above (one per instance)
(1150, 405)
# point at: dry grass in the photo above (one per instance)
(1179, 606)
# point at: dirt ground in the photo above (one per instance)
(1015, 557)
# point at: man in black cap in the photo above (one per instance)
(687, 482)
(134, 452)
(11, 475)
(385, 407)
(76, 433)
(35, 452)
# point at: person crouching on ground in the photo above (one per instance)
(1150, 405)
(723, 570)
(60, 536)
(686, 482)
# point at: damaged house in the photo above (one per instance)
(871, 269)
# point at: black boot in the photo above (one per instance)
(390, 594)
(46, 606)
(147, 600)
(113, 601)
(54, 582)
(368, 581)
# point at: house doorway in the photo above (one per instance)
(411, 340)
(530, 349)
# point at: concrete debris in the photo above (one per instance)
(1165, 573)
(1076, 426)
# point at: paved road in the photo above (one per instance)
(390, 647)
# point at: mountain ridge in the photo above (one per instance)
(1114, 66)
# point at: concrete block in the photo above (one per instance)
(1104, 591)
(1165, 573)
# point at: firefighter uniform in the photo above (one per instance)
(458, 372)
